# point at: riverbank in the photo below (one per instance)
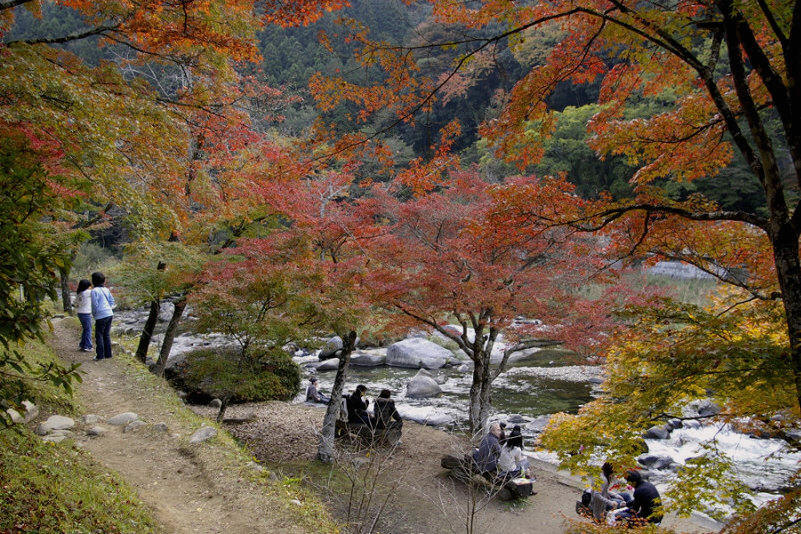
(422, 499)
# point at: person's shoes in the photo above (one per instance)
(86, 350)
(96, 359)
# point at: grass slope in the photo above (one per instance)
(46, 487)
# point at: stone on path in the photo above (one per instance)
(123, 418)
(422, 386)
(417, 353)
(64, 433)
(54, 439)
(90, 419)
(202, 434)
(55, 422)
(160, 427)
(96, 431)
(134, 425)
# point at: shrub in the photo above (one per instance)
(262, 374)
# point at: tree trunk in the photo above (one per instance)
(325, 449)
(480, 393)
(150, 324)
(169, 335)
(788, 270)
(66, 297)
(221, 412)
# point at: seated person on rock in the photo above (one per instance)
(512, 463)
(386, 415)
(357, 406)
(604, 500)
(646, 504)
(313, 394)
(489, 451)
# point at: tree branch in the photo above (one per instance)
(722, 215)
(100, 30)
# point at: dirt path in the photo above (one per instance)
(191, 488)
(426, 500)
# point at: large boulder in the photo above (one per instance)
(422, 385)
(538, 424)
(330, 348)
(417, 353)
(368, 359)
(331, 364)
(657, 432)
(657, 462)
(701, 408)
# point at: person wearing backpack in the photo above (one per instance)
(102, 305)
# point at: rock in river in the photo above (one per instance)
(417, 353)
(422, 385)
(367, 359)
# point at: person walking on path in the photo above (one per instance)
(83, 304)
(102, 306)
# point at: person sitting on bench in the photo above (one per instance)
(488, 452)
(313, 394)
(357, 406)
(386, 415)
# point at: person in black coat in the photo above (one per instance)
(357, 406)
(647, 503)
(386, 415)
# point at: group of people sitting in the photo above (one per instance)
(624, 508)
(500, 455)
(385, 415)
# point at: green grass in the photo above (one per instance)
(47, 487)
(40, 392)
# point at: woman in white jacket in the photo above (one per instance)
(83, 305)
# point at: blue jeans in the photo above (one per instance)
(103, 337)
(86, 333)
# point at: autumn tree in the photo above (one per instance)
(447, 257)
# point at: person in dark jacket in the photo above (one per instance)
(646, 503)
(488, 452)
(386, 415)
(357, 406)
(313, 394)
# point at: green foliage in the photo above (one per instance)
(141, 278)
(673, 353)
(90, 258)
(46, 487)
(258, 375)
(31, 250)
